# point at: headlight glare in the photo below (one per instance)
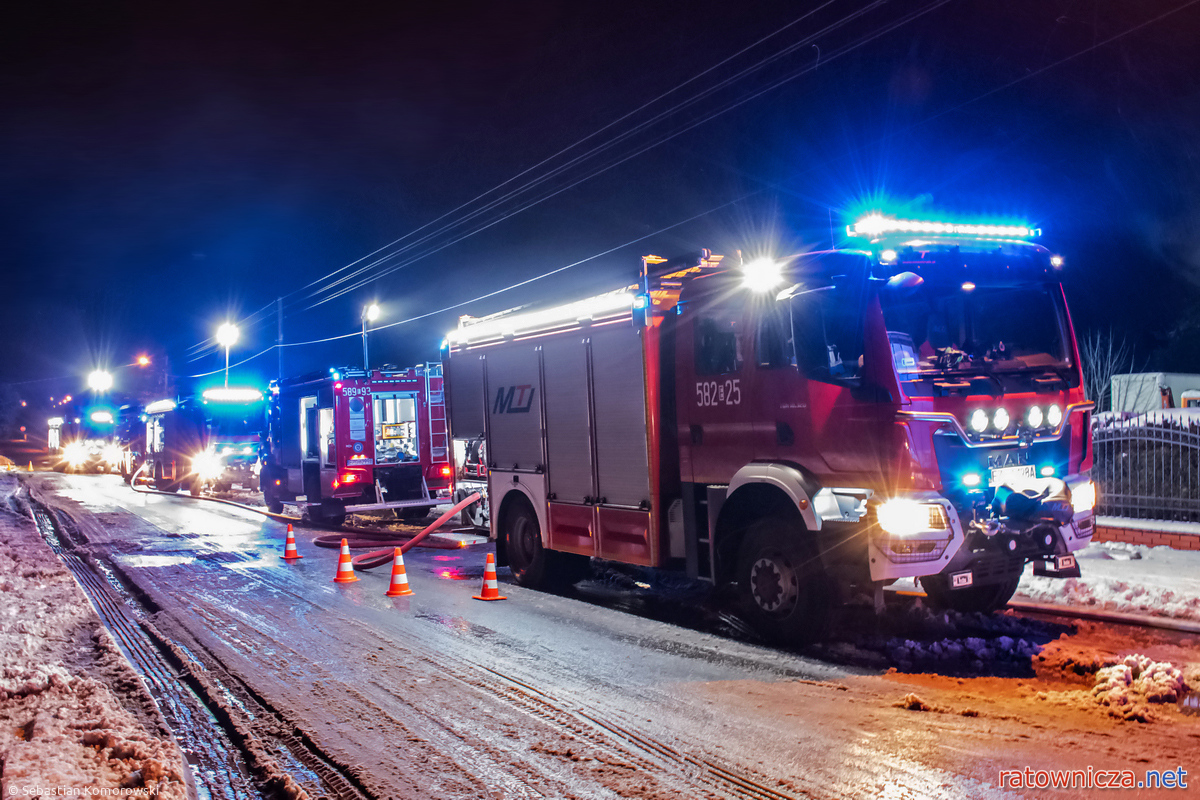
(1034, 417)
(1083, 497)
(113, 455)
(75, 453)
(207, 465)
(1001, 419)
(903, 517)
(979, 420)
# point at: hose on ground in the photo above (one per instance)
(362, 537)
(391, 540)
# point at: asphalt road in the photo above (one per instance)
(601, 693)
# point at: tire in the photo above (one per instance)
(270, 499)
(782, 584)
(973, 599)
(532, 565)
(474, 515)
(160, 482)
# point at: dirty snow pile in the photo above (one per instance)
(63, 726)
(1131, 579)
(1125, 686)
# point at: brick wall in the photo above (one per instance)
(1179, 541)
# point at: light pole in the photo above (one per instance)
(227, 336)
(369, 314)
(99, 380)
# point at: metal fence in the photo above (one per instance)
(1148, 467)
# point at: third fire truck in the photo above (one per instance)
(800, 429)
(353, 440)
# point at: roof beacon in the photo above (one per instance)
(874, 225)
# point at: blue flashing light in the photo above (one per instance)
(878, 225)
(888, 256)
(1047, 472)
(971, 479)
(641, 302)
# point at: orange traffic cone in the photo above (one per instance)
(491, 590)
(31, 466)
(345, 573)
(399, 587)
(290, 553)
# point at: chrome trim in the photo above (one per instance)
(946, 417)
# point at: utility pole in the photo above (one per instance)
(279, 336)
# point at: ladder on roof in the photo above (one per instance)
(435, 405)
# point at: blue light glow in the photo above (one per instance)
(878, 224)
(971, 479)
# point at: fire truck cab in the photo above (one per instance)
(909, 408)
(353, 440)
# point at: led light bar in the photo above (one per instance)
(102, 417)
(611, 304)
(160, 406)
(878, 224)
(233, 394)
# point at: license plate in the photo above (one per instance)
(961, 580)
(1064, 562)
(1003, 475)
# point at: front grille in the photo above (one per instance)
(900, 551)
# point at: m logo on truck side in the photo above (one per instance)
(513, 400)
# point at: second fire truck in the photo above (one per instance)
(911, 407)
(352, 440)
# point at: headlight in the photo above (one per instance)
(1053, 416)
(902, 517)
(1034, 417)
(1001, 419)
(979, 420)
(1083, 497)
(113, 455)
(75, 453)
(226, 451)
(207, 465)
(247, 450)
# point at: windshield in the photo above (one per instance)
(962, 327)
(235, 423)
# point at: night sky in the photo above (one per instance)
(166, 166)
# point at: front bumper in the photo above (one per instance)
(956, 548)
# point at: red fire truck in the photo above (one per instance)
(797, 429)
(352, 440)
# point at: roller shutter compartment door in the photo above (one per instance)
(514, 407)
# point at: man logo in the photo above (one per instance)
(517, 400)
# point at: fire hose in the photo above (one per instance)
(361, 537)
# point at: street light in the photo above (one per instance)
(100, 381)
(227, 336)
(369, 314)
(143, 361)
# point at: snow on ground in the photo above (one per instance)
(73, 713)
(1133, 579)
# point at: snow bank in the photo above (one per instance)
(69, 703)
(1133, 579)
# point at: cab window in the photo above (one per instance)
(718, 350)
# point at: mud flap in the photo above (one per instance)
(1057, 567)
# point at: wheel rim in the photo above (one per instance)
(523, 539)
(774, 584)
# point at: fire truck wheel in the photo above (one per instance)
(782, 584)
(195, 487)
(974, 599)
(523, 539)
(270, 499)
(412, 514)
(160, 482)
